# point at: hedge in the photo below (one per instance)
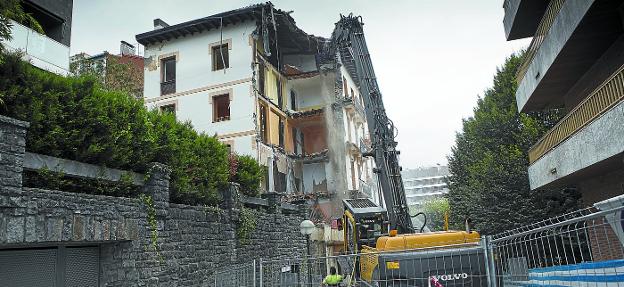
(74, 118)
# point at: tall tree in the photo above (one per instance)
(488, 164)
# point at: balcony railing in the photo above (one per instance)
(43, 52)
(167, 88)
(607, 95)
(542, 30)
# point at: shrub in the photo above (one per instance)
(74, 118)
(248, 174)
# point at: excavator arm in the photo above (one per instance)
(348, 39)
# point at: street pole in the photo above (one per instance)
(309, 262)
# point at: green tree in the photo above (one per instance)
(488, 164)
(435, 209)
(248, 174)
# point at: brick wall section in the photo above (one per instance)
(192, 241)
(603, 241)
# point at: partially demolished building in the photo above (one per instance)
(269, 90)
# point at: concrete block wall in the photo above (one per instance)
(191, 242)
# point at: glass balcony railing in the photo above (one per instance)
(606, 96)
(43, 52)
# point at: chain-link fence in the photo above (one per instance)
(582, 248)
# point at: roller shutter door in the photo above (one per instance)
(50, 267)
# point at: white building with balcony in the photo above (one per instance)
(48, 51)
(424, 184)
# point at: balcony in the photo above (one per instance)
(167, 88)
(43, 52)
(589, 134)
(356, 106)
(522, 17)
(552, 10)
(571, 37)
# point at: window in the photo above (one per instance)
(345, 88)
(295, 134)
(220, 57)
(221, 108)
(170, 108)
(352, 94)
(293, 100)
(168, 76)
(261, 79)
(281, 132)
(263, 124)
(352, 174)
(280, 100)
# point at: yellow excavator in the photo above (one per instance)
(391, 252)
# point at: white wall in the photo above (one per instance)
(305, 63)
(309, 91)
(196, 83)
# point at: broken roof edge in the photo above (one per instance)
(223, 19)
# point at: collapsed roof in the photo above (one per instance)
(291, 39)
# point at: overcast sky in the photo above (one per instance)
(433, 58)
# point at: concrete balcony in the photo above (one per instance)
(42, 52)
(522, 17)
(570, 38)
(588, 139)
(356, 107)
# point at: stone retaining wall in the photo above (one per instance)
(191, 242)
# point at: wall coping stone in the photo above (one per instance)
(15, 122)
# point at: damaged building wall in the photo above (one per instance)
(286, 101)
(314, 177)
(302, 62)
(307, 92)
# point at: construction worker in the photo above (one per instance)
(332, 279)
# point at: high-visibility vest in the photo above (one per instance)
(333, 279)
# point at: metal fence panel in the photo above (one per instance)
(243, 275)
(453, 265)
(581, 248)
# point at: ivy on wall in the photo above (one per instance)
(246, 225)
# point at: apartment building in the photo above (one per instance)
(267, 89)
(105, 65)
(48, 51)
(575, 62)
(424, 184)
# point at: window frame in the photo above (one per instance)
(163, 69)
(263, 123)
(281, 130)
(168, 86)
(216, 51)
(293, 100)
(168, 108)
(218, 96)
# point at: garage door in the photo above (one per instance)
(50, 267)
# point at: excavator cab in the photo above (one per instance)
(363, 223)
